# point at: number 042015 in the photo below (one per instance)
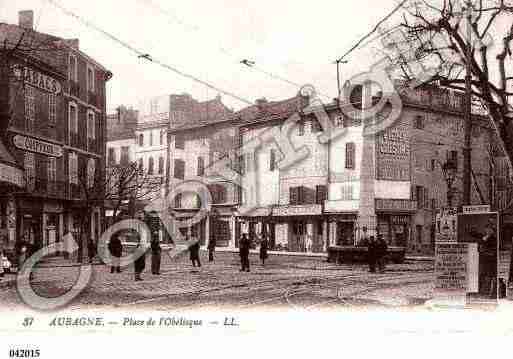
(24, 353)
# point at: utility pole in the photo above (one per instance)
(467, 162)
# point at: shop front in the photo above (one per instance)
(394, 220)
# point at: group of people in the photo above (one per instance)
(377, 253)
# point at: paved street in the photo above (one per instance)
(293, 282)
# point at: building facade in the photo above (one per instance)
(56, 133)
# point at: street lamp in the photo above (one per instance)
(449, 170)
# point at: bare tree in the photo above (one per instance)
(121, 184)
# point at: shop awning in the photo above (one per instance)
(11, 173)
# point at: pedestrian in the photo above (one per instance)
(371, 254)
(22, 256)
(264, 245)
(381, 253)
(140, 262)
(244, 245)
(488, 262)
(156, 252)
(91, 250)
(211, 248)
(116, 251)
(194, 252)
(3, 258)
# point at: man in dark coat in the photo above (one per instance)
(244, 245)
(194, 253)
(372, 254)
(140, 263)
(488, 262)
(211, 248)
(156, 252)
(264, 244)
(381, 253)
(116, 251)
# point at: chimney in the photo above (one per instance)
(261, 102)
(73, 43)
(26, 19)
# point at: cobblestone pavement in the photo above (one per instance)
(293, 282)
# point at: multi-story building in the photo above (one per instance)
(56, 133)
(200, 134)
(121, 139)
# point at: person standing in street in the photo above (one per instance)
(371, 254)
(140, 263)
(488, 262)
(264, 245)
(381, 253)
(211, 248)
(116, 251)
(194, 252)
(244, 245)
(156, 252)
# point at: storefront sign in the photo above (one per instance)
(385, 205)
(393, 153)
(33, 145)
(11, 175)
(304, 210)
(37, 79)
(451, 267)
(476, 209)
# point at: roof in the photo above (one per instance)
(200, 114)
(267, 111)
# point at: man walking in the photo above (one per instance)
(211, 248)
(140, 263)
(371, 254)
(244, 245)
(264, 244)
(116, 251)
(156, 252)
(381, 250)
(194, 252)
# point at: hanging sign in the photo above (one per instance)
(33, 145)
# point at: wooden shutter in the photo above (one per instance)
(320, 195)
(350, 155)
(294, 195)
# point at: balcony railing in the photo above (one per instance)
(43, 187)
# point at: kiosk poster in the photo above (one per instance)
(451, 267)
(446, 227)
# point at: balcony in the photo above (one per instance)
(74, 88)
(43, 187)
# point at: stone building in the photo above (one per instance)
(55, 101)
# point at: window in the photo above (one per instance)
(346, 192)
(91, 170)
(52, 169)
(90, 79)
(141, 140)
(301, 128)
(453, 157)
(52, 108)
(125, 158)
(30, 107)
(179, 142)
(320, 194)
(162, 137)
(419, 233)
(141, 164)
(73, 118)
(301, 195)
(419, 122)
(72, 68)
(73, 168)
(91, 125)
(272, 160)
(433, 165)
(242, 164)
(179, 169)
(433, 203)
(151, 138)
(150, 166)
(350, 155)
(422, 197)
(178, 200)
(161, 165)
(111, 159)
(201, 166)
(30, 169)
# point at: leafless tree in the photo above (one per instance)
(122, 184)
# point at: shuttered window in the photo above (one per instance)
(320, 194)
(179, 169)
(201, 166)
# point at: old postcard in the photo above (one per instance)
(274, 170)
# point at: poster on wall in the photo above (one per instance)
(446, 225)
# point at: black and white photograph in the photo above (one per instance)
(185, 164)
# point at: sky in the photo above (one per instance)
(296, 41)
